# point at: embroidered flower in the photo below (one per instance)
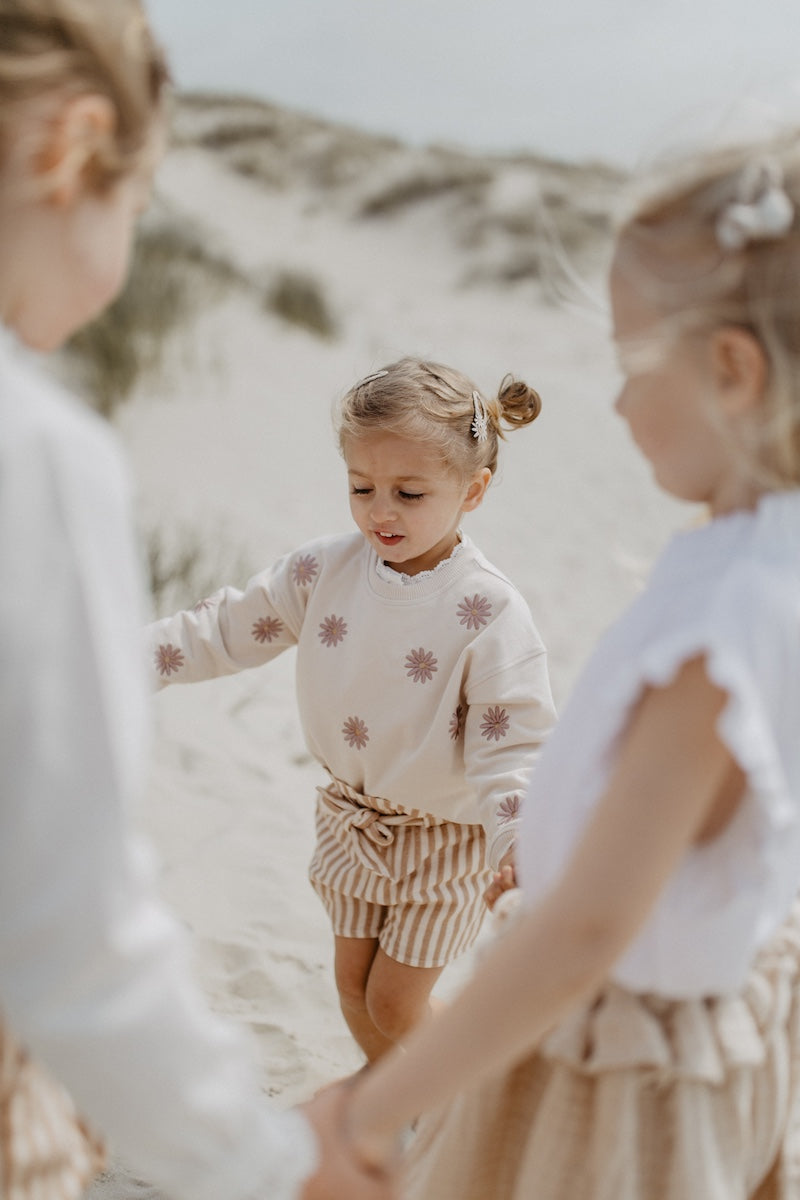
(304, 569)
(201, 604)
(355, 733)
(266, 629)
(456, 723)
(508, 810)
(420, 665)
(495, 724)
(475, 612)
(332, 630)
(169, 659)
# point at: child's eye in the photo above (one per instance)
(411, 495)
(360, 491)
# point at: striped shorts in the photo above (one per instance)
(46, 1150)
(411, 881)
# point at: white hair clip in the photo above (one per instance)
(761, 211)
(480, 421)
(370, 378)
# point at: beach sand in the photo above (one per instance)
(230, 443)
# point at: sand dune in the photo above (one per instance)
(431, 253)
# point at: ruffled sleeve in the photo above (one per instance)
(750, 640)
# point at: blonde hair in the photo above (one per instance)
(435, 404)
(73, 47)
(675, 249)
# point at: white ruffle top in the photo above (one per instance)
(729, 590)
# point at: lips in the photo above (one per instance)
(388, 539)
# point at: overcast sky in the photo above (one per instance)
(613, 79)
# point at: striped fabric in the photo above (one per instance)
(414, 882)
(636, 1097)
(46, 1151)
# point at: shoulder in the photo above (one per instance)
(330, 550)
(756, 598)
(481, 574)
(53, 444)
(319, 562)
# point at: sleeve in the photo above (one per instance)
(94, 973)
(508, 716)
(750, 640)
(231, 630)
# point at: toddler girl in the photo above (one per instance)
(636, 1032)
(421, 679)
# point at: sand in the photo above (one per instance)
(231, 439)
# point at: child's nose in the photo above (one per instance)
(382, 508)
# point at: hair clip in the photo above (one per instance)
(480, 421)
(761, 211)
(370, 378)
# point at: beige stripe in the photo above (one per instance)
(436, 867)
(45, 1151)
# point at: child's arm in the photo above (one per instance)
(230, 631)
(672, 774)
(503, 880)
(509, 714)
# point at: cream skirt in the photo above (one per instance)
(637, 1098)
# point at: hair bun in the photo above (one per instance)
(519, 404)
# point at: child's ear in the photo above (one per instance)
(78, 131)
(477, 489)
(740, 367)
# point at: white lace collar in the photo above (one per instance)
(389, 575)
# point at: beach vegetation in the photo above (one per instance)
(300, 299)
(185, 564)
(174, 273)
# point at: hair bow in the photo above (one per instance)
(762, 210)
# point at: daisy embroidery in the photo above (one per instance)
(332, 630)
(304, 569)
(508, 810)
(169, 659)
(354, 732)
(420, 665)
(266, 629)
(495, 723)
(456, 722)
(201, 604)
(475, 612)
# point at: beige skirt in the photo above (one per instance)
(46, 1150)
(637, 1098)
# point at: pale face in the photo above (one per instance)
(64, 246)
(406, 504)
(671, 402)
(76, 263)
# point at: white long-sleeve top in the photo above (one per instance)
(94, 976)
(432, 693)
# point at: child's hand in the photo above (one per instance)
(503, 880)
(343, 1170)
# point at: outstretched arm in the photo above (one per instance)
(672, 780)
(341, 1174)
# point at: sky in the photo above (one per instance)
(615, 80)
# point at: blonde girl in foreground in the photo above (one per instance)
(421, 681)
(95, 987)
(634, 1035)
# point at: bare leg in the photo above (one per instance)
(353, 963)
(381, 999)
(398, 996)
